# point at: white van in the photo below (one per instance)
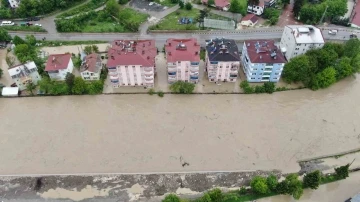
(333, 32)
(7, 23)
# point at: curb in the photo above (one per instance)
(330, 155)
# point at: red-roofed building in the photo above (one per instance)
(183, 59)
(249, 20)
(91, 67)
(262, 61)
(219, 4)
(355, 16)
(132, 63)
(58, 65)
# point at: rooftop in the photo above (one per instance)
(57, 62)
(252, 17)
(306, 34)
(219, 3)
(22, 69)
(264, 51)
(356, 18)
(89, 63)
(124, 52)
(221, 49)
(182, 50)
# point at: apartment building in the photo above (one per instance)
(297, 39)
(24, 74)
(222, 60)
(132, 63)
(58, 65)
(14, 3)
(90, 68)
(183, 59)
(262, 61)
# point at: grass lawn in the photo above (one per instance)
(68, 43)
(24, 28)
(82, 8)
(167, 3)
(170, 22)
(244, 4)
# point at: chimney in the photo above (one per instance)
(53, 59)
(148, 57)
(169, 44)
(143, 52)
(260, 56)
(196, 53)
(169, 53)
(112, 57)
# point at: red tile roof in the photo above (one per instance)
(125, 52)
(182, 50)
(356, 18)
(57, 62)
(219, 3)
(259, 51)
(89, 63)
(252, 17)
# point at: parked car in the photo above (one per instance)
(7, 23)
(35, 18)
(333, 32)
(39, 25)
(353, 36)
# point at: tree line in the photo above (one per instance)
(319, 68)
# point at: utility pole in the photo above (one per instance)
(322, 17)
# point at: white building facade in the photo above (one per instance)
(24, 74)
(298, 39)
(222, 60)
(132, 63)
(91, 67)
(58, 65)
(183, 60)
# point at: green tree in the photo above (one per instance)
(171, 198)
(216, 195)
(10, 61)
(58, 88)
(182, 87)
(272, 182)
(91, 49)
(294, 185)
(259, 89)
(339, 48)
(30, 87)
(258, 185)
(181, 4)
(188, 6)
(95, 87)
(17, 40)
(324, 79)
(236, 7)
(69, 80)
(352, 48)
(45, 84)
(298, 69)
(272, 14)
(355, 63)
(79, 87)
(1, 73)
(282, 187)
(30, 39)
(4, 35)
(112, 7)
(269, 87)
(336, 8)
(123, 2)
(211, 2)
(343, 68)
(312, 180)
(342, 172)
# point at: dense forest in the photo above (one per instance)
(31, 8)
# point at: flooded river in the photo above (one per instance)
(142, 133)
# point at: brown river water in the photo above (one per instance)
(143, 133)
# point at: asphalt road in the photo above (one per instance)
(160, 38)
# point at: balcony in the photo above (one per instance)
(233, 75)
(194, 77)
(149, 77)
(171, 69)
(194, 73)
(115, 81)
(148, 69)
(194, 69)
(148, 73)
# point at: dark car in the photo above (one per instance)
(35, 18)
(353, 36)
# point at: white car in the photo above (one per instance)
(39, 25)
(333, 32)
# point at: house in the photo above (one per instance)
(90, 69)
(355, 16)
(256, 9)
(14, 3)
(58, 65)
(183, 59)
(222, 60)
(219, 4)
(262, 61)
(24, 74)
(132, 63)
(249, 20)
(298, 39)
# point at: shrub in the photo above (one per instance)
(269, 87)
(181, 4)
(259, 89)
(249, 90)
(243, 191)
(342, 172)
(188, 6)
(151, 91)
(216, 195)
(312, 180)
(182, 87)
(259, 186)
(171, 198)
(160, 94)
(272, 182)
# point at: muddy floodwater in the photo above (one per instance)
(143, 133)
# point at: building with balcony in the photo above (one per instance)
(58, 65)
(222, 60)
(262, 61)
(183, 59)
(90, 68)
(298, 39)
(24, 74)
(132, 63)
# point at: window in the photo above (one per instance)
(255, 69)
(220, 66)
(296, 48)
(227, 67)
(252, 77)
(253, 74)
(275, 78)
(298, 44)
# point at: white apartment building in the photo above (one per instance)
(132, 63)
(183, 59)
(297, 39)
(58, 65)
(24, 74)
(222, 60)
(90, 69)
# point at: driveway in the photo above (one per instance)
(287, 16)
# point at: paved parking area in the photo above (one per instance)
(287, 17)
(147, 5)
